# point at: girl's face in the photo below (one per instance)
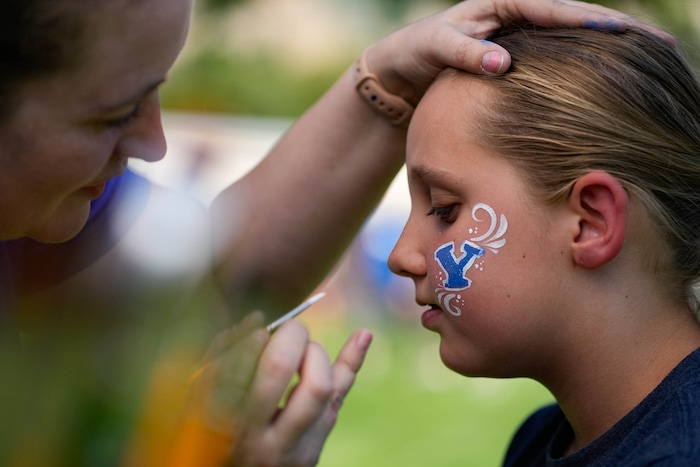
(483, 254)
(76, 129)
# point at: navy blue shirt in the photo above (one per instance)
(663, 430)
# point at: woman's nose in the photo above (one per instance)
(145, 140)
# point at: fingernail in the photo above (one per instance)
(364, 340)
(492, 62)
(610, 24)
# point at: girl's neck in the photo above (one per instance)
(608, 375)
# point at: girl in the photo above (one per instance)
(79, 97)
(554, 234)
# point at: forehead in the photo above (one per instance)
(137, 29)
(445, 151)
(448, 117)
(127, 44)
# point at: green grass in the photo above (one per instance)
(406, 409)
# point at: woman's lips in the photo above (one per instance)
(93, 191)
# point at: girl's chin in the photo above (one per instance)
(461, 363)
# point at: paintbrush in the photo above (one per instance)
(295, 312)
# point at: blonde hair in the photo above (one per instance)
(578, 100)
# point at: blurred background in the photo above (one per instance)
(249, 69)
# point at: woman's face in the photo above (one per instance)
(484, 255)
(76, 129)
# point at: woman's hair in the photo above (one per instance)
(578, 100)
(37, 38)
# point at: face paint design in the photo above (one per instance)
(492, 241)
(455, 268)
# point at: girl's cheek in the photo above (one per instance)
(456, 262)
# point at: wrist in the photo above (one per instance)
(369, 86)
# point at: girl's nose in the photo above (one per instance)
(406, 258)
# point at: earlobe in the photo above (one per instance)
(600, 203)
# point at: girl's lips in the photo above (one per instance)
(429, 316)
(94, 191)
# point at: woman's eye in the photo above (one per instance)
(126, 119)
(445, 213)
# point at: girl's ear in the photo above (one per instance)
(600, 204)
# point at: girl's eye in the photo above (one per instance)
(445, 213)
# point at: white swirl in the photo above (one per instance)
(494, 241)
(492, 214)
(445, 300)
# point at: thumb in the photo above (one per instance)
(494, 58)
(478, 56)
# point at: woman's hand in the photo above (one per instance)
(408, 60)
(247, 377)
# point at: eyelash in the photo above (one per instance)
(443, 212)
(124, 121)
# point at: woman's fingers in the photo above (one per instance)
(229, 337)
(277, 367)
(221, 385)
(625, 19)
(346, 367)
(308, 401)
(312, 408)
(322, 388)
(579, 14)
(408, 60)
(294, 434)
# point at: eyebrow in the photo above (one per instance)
(431, 175)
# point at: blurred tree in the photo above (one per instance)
(214, 79)
(215, 5)
(679, 16)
